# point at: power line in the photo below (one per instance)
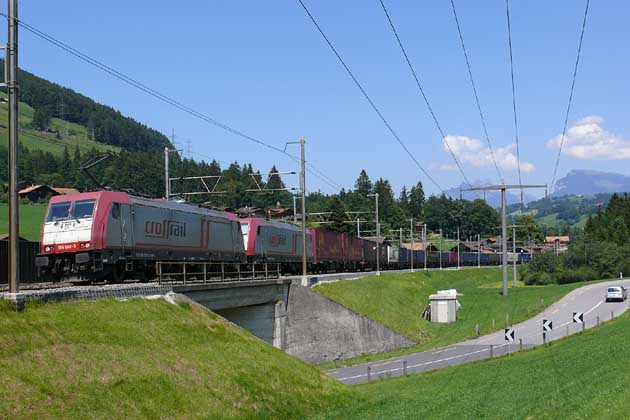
(424, 96)
(474, 88)
(518, 154)
(566, 118)
(152, 92)
(367, 97)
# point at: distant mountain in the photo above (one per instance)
(493, 198)
(587, 182)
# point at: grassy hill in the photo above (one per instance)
(31, 219)
(555, 212)
(148, 359)
(397, 300)
(74, 135)
(582, 377)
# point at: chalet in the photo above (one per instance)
(559, 243)
(44, 192)
(421, 246)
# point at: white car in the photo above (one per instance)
(616, 293)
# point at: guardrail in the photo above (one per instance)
(185, 272)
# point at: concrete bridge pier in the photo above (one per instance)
(257, 306)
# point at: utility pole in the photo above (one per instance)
(166, 174)
(11, 80)
(294, 210)
(358, 229)
(401, 237)
(378, 236)
(514, 252)
(503, 188)
(167, 180)
(458, 248)
(302, 143)
(440, 250)
(478, 251)
(424, 244)
(411, 233)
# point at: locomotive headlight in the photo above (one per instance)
(84, 245)
(49, 248)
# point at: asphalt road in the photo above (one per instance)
(590, 300)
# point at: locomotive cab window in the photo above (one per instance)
(116, 211)
(83, 209)
(59, 211)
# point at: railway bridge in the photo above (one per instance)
(259, 306)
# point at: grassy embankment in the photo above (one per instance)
(581, 377)
(148, 359)
(31, 219)
(397, 300)
(74, 135)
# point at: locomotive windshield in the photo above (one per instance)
(245, 232)
(77, 210)
(59, 211)
(83, 209)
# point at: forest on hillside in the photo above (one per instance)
(104, 123)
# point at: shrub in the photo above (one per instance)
(574, 275)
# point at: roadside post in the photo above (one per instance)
(547, 328)
(509, 334)
(578, 318)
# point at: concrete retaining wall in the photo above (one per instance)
(320, 330)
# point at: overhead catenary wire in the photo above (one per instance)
(156, 94)
(424, 96)
(476, 95)
(518, 153)
(566, 117)
(368, 98)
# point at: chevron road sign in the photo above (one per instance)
(509, 334)
(547, 325)
(578, 317)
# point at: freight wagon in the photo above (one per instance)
(328, 252)
(276, 242)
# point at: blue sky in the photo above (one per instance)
(262, 68)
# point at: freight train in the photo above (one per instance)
(110, 235)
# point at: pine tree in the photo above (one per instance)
(338, 216)
(403, 202)
(41, 118)
(416, 201)
(363, 184)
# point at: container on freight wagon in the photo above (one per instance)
(444, 306)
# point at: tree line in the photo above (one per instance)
(142, 172)
(601, 250)
(437, 212)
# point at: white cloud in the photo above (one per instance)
(447, 167)
(587, 139)
(474, 152)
